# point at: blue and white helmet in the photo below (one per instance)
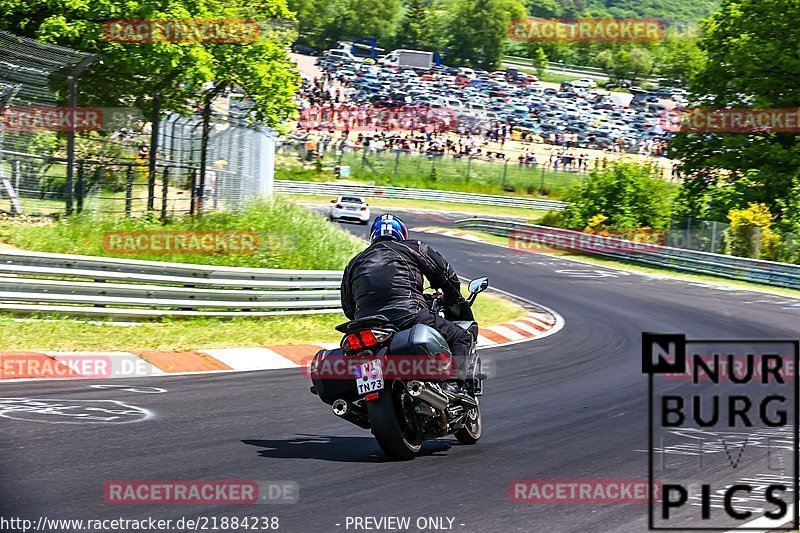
(388, 227)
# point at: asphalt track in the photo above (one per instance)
(570, 406)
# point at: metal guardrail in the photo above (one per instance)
(61, 284)
(531, 236)
(337, 189)
(567, 68)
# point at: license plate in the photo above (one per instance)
(369, 376)
(349, 208)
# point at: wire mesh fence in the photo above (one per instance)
(110, 161)
(34, 78)
(528, 176)
(238, 163)
(700, 235)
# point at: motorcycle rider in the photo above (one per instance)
(387, 279)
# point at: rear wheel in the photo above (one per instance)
(393, 422)
(473, 427)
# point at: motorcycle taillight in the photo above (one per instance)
(365, 339)
(352, 343)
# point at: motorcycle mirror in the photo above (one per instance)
(478, 285)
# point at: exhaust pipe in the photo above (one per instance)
(340, 407)
(428, 395)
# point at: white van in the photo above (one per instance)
(475, 108)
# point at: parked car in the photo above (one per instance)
(584, 83)
(305, 50)
(350, 208)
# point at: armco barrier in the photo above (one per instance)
(43, 283)
(337, 189)
(727, 266)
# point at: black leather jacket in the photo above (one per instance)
(387, 279)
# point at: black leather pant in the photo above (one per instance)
(457, 337)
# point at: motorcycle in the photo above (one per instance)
(368, 383)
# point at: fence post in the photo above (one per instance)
(128, 191)
(151, 168)
(155, 121)
(541, 182)
(72, 90)
(713, 237)
(204, 143)
(16, 172)
(79, 187)
(396, 162)
(70, 185)
(164, 191)
(505, 173)
(469, 166)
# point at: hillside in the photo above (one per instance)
(673, 12)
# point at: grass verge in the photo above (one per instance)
(658, 271)
(64, 334)
(445, 173)
(288, 236)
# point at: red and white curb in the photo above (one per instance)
(40, 365)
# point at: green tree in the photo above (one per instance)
(316, 20)
(539, 60)
(637, 63)
(415, 28)
(378, 19)
(477, 30)
(130, 72)
(679, 57)
(751, 63)
(628, 195)
(544, 8)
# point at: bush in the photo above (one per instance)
(553, 219)
(629, 196)
(751, 234)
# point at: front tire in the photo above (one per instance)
(390, 426)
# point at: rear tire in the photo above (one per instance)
(473, 428)
(389, 426)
